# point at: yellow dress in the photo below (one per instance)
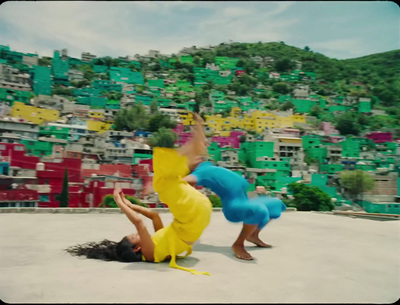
(191, 209)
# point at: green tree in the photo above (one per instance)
(154, 107)
(64, 196)
(288, 105)
(164, 137)
(140, 88)
(316, 111)
(363, 120)
(247, 64)
(280, 87)
(104, 76)
(44, 61)
(310, 160)
(113, 95)
(284, 65)
(356, 182)
(347, 124)
(248, 80)
(209, 85)
(62, 91)
(133, 118)
(109, 202)
(156, 66)
(159, 120)
(310, 198)
(208, 58)
(197, 60)
(198, 100)
(82, 83)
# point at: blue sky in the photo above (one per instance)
(337, 29)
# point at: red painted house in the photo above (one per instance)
(16, 155)
(92, 195)
(51, 177)
(121, 170)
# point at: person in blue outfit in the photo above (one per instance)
(255, 213)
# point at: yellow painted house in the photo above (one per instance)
(290, 140)
(98, 126)
(298, 118)
(236, 112)
(186, 117)
(257, 121)
(93, 114)
(34, 114)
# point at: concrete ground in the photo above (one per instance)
(315, 258)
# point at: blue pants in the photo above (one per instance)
(255, 211)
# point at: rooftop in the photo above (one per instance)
(315, 258)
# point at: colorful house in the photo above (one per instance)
(34, 114)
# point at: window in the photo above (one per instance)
(44, 198)
(18, 148)
(2, 147)
(27, 204)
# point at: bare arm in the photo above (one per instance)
(147, 245)
(191, 179)
(153, 215)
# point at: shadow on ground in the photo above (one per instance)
(188, 262)
(226, 250)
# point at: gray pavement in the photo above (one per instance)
(316, 258)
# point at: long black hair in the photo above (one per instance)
(107, 250)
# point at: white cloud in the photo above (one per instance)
(232, 12)
(353, 47)
(126, 28)
(280, 8)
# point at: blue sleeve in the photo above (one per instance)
(202, 172)
(199, 175)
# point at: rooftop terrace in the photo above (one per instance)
(315, 258)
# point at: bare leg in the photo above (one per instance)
(196, 148)
(238, 245)
(255, 239)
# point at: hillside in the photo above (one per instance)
(377, 70)
(187, 77)
(376, 75)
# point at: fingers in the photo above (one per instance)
(198, 118)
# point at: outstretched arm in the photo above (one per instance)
(147, 245)
(191, 179)
(149, 213)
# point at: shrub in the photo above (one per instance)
(216, 201)
(109, 202)
(310, 198)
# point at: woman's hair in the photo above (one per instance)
(107, 250)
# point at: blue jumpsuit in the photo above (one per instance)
(231, 188)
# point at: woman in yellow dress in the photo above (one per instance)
(190, 208)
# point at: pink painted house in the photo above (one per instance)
(328, 129)
(380, 137)
(232, 141)
(183, 136)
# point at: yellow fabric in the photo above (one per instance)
(191, 209)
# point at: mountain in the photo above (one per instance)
(379, 72)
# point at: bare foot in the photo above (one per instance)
(241, 253)
(256, 240)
